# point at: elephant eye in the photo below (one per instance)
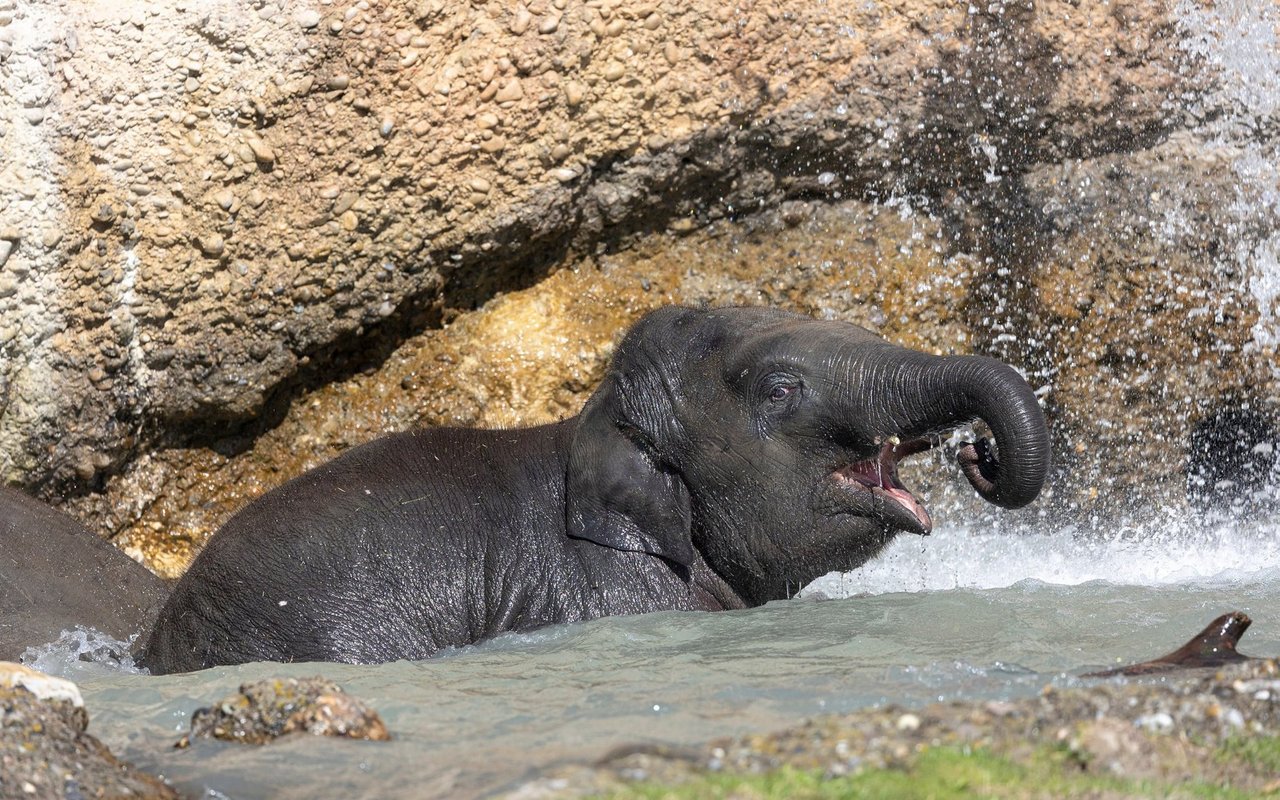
(781, 391)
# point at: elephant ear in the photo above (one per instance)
(619, 497)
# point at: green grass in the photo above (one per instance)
(947, 773)
(1260, 752)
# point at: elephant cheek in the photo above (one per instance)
(839, 542)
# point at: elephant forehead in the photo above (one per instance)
(801, 344)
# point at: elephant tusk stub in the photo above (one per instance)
(879, 475)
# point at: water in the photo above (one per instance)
(965, 613)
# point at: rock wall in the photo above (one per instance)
(216, 210)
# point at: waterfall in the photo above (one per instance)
(1236, 42)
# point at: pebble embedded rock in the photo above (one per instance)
(211, 245)
(268, 709)
(308, 18)
(46, 750)
(262, 152)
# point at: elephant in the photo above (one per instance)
(56, 574)
(728, 456)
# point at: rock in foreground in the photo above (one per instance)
(266, 710)
(45, 751)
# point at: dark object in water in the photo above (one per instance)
(1231, 459)
(1212, 647)
(56, 574)
(727, 456)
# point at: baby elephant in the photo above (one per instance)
(728, 456)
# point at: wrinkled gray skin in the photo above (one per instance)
(55, 574)
(729, 456)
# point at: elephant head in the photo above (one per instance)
(767, 443)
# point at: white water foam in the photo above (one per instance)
(83, 651)
(980, 558)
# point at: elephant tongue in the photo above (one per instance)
(881, 473)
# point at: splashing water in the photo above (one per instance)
(83, 653)
(969, 557)
(1240, 118)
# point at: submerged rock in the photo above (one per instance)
(46, 751)
(268, 709)
(1215, 646)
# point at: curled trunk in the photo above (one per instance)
(920, 394)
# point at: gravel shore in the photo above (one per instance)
(1213, 731)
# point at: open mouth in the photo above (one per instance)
(879, 476)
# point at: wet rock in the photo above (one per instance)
(266, 710)
(1215, 646)
(46, 750)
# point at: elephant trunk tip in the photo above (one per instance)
(980, 463)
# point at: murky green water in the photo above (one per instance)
(963, 613)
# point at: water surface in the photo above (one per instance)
(970, 612)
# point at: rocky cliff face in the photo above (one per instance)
(230, 234)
